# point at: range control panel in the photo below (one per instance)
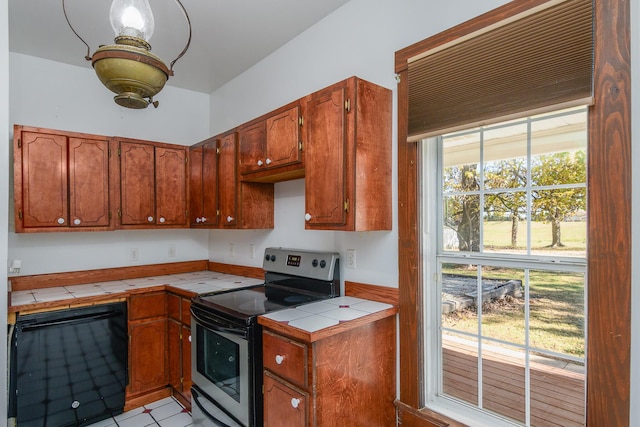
(304, 263)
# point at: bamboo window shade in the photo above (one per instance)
(532, 63)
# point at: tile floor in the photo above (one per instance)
(164, 413)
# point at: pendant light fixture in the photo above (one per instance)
(128, 68)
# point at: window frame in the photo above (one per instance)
(432, 196)
(608, 222)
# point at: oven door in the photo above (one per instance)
(220, 364)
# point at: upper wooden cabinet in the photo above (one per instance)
(348, 157)
(270, 147)
(203, 184)
(61, 181)
(153, 184)
(216, 191)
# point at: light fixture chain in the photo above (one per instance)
(186, 15)
(88, 55)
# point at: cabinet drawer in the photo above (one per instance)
(286, 358)
(147, 305)
(186, 312)
(173, 306)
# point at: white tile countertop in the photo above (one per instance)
(319, 315)
(197, 282)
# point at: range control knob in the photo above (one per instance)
(273, 258)
(314, 262)
(323, 264)
(266, 257)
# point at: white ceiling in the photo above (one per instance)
(229, 36)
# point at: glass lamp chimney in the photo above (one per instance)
(132, 18)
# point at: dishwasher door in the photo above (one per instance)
(69, 367)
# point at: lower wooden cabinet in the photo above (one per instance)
(344, 376)
(284, 405)
(179, 345)
(147, 348)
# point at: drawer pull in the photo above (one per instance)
(295, 402)
(279, 359)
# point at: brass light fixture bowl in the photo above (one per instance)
(132, 72)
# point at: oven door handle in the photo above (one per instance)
(215, 327)
(206, 413)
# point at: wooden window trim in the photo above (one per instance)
(608, 223)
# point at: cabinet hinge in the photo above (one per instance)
(20, 214)
(347, 105)
(397, 78)
(218, 212)
(346, 205)
(301, 121)
(217, 150)
(181, 380)
(19, 142)
(119, 153)
(119, 213)
(300, 146)
(110, 215)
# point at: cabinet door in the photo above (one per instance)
(196, 187)
(283, 138)
(210, 183)
(252, 147)
(227, 181)
(148, 356)
(137, 189)
(88, 183)
(283, 405)
(174, 354)
(325, 170)
(186, 359)
(44, 180)
(171, 186)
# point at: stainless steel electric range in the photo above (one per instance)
(227, 339)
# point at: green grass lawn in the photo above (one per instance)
(556, 319)
(497, 234)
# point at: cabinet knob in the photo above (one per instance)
(77, 221)
(229, 218)
(279, 359)
(60, 221)
(268, 161)
(198, 220)
(260, 162)
(162, 219)
(149, 219)
(307, 216)
(295, 402)
(203, 219)
(189, 338)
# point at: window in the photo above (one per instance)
(509, 257)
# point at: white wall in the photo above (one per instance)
(58, 96)
(358, 39)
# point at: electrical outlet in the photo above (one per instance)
(134, 254)
(252, 251)
(232, 252)
(172, 251)
(350, 262)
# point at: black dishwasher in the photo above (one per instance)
(69, 367)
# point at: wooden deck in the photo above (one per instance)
(557, 395)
